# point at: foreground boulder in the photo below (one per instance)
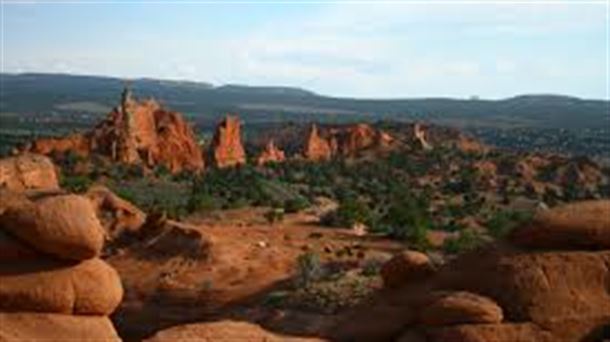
(406, 267)
(65, 226)
(222, 331)
(460, 308)
(12, 249)
(28, 171)
(55, 328)
(584, 225)
(514, 294)
(512, 332)
(90, 287)
(52, 286)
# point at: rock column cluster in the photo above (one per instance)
(53, 285)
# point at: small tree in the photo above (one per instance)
(309, 269)
(274, 215)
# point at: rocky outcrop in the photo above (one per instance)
(524, 292)
(585, 225)
(52, 285)
(90, 287)
(56, 327)
(64, 226)
(116, 214)
(346, 141)
(405, 267)
(419, 134)
(316, 147)
(28, 171)
(75, 143)
(163, 238)
(222, 331)
(270, 154)
(135, 133)
(227, 149)
(448, 308)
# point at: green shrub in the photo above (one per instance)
(466, 240)
(274, 215)
(201, 202)
(349, 212)
(295, 204)
(76, 183)
(503, 222)
(309, 269)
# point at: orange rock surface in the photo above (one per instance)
(135, 132)
(316, 147)
(271, 153)
(345, 141)
(28, 171)
(227, 149)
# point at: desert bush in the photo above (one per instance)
(75, 183)
(349, 212)
(201, 202)
(296, 204)
(466, 240)
(503, 222)
(331, 296)
(309, 269)
(274, 215)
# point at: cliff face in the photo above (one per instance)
(227, 149)
(135, 133)
(271, 153)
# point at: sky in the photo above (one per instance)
(364, 49)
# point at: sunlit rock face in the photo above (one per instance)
(270, 154)
(227, 149)
(135, 132)
(346, 141)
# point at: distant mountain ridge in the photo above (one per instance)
(57, 93)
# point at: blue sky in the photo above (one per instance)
(357, 49)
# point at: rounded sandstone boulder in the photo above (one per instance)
(448, 308)
(222, 331)
(12, 250)
(406, 267)
(28, 171)
(56, 327)
(90, 287)
(575, 226)
(64, 226)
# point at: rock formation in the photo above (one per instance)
(135, 133)
(420, 137)
(28, 171)
(55, 287)
(541, 290)
(222, 331)
(271, 154)
(316, 147)
(227, 149)
(116, 214)
(347, 141)
(405, 267)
